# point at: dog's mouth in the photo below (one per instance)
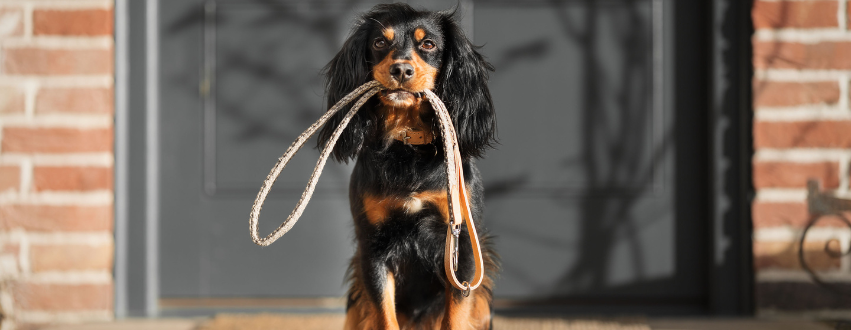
(400, 97)
(400, 94)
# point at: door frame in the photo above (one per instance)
(729, 125)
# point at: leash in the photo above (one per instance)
(457, 192)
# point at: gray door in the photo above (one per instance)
(594, 193)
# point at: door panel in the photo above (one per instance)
(584, 192)
(257, 73)
(580, 190)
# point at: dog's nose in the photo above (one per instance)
(402, 71)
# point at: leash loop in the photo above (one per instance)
(370, 89)
(459, 204)
(456, 189)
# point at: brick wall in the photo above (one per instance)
(802, 129)
(56, 121)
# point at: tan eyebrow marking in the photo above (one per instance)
(389, 33)
(419, 34)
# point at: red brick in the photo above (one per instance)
(795, 14)
(63, 297)
(784, 94)
(10, 178)
(56, 217)
(25, 139)
(795, 175)
(784, 255)
(10, 248)
(802, 134)
(76, 100)
(39, 61)
(769, 214)
(11, 100)
(12, 22)
(72, 22)
(70, 257)
(72, 178)
(792, 55)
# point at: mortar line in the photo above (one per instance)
(844, 93)
(26, 176)
(28, 20)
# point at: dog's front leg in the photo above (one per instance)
(381, 285)
(461, 312)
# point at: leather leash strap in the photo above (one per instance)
(458, 203)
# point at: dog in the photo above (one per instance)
(398, 185)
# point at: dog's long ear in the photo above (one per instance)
(462, 85)
(346, 71)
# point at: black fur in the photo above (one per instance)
(411, 245)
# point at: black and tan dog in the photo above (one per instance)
(398, 187)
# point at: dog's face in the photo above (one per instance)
(407, 58)
(409, 51)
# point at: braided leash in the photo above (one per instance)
(457, 192)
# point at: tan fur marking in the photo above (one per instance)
(376, 208)
(424, 75)
(457, 312)
(401, 119)
(362, 313)
(438, 199)
(389, 33)
(381, 71)
(419, 34)
(388, 302)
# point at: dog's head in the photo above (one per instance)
(409, 51)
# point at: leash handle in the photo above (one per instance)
(369, 89)
(458, 202)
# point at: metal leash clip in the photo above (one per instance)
(466, 291)
(456, 232)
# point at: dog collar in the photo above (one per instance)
(414, 137)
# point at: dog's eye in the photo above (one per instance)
(379, 43)
(427, 45)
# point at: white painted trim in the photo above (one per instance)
(804, 36)
(74, 277)
(152, 152)
(781, 195)
(800, 75)
(121, 158)
(89, 198)
(841, 17)
(802, 114)
(801, 155)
